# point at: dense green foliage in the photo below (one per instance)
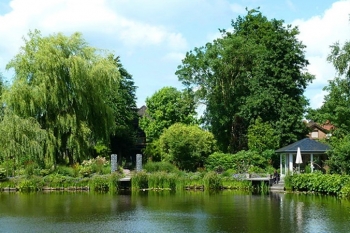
(69, 102)
(22, 140)
(262, 136)
(59, 182)
(159, 166)
(2, 89)
(241, 162)
(255, 71)
(318, 182)
(3, 175)
(339, 155)
(165, 108)
(186, 146)
(93, 174)
(66, 99)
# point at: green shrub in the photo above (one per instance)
(308, 169)
(3, 175)
(113, 182)
(44, 172)
(345, 191)
(139, 181)
(97, 165)
(55, 180)
(159, 166)
(256, 170)
(30, 167)
(99, 183)
(33, 183)
(26, 185)
(238, 184)
(212, 181)
(240, 161)
(220, 161)
(106, 169)
(162, 180)
(228, 173)
(288, 182)
(66, 171)
(9, 166)
(318, 182)
(269, 169)
(85, 171)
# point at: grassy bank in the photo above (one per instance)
(61, 182)
(175, 181)
(183, 181)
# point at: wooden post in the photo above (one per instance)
(291, 163)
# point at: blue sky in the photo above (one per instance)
(152, 36)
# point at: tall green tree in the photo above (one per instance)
(187, 146)
(2, 90)
(61, 82)
(123, 103)
(336, 106)
(258, 70)
(165, 108)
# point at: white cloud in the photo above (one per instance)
(318, 33)
(322, 70)
(93, 17)
(316, 97)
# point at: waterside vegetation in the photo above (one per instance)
(161, 176)
(333, 184)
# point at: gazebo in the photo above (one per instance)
(313, 154)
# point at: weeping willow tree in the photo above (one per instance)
(22, 140)
(61, 82)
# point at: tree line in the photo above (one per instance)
(68, 100)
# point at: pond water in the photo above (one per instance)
(225, 211)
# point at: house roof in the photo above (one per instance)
(142, 111)
(312, 125)
(307, 146)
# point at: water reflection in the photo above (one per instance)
(172, 212)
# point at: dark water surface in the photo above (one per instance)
(165, 212)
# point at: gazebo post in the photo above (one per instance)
(285, 164)
(281, 166)
(312, 162)
(291, 163)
